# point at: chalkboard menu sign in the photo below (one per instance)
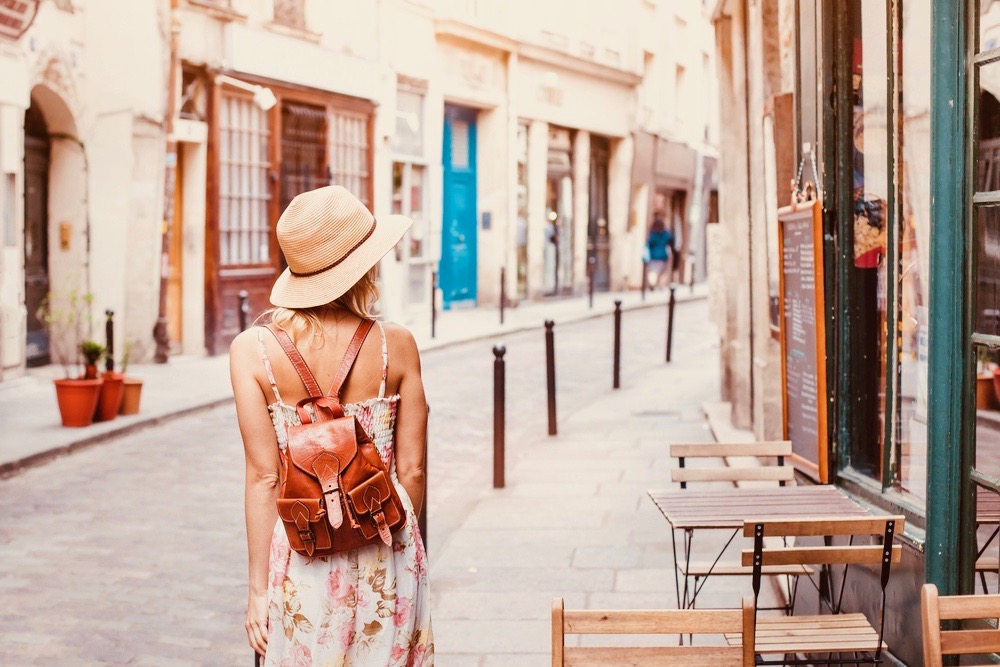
(803, 335)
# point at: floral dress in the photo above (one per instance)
(369, 607)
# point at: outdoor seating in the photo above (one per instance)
(737, 623)
(769, 466)
(836, 633)
(980, 639)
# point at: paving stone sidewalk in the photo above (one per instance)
(28, 411)
(575, 521)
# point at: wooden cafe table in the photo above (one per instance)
(726, 508)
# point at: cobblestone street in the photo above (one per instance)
(132, 552)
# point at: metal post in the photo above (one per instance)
(109, 341)
(550, 373)
(645, 278)
(434, 302)
(591, 270)
(499, 397)
(503, 291)
(670, 321)
(616, 376)
(244, 309)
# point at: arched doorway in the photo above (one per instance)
(36, 231)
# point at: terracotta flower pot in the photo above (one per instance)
(985, 393)
(131, 393)
(111, 397)
(78, 400)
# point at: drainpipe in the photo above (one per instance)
(160, 333)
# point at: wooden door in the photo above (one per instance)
(36, 232)
(175, 285)
(598, 236)
(458, 239)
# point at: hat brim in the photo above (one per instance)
(291, 291)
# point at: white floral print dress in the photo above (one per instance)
(369, 607)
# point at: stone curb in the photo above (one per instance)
(13, 468)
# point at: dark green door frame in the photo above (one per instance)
(950, 419)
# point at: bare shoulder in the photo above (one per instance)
(244, 345)
(402, 344)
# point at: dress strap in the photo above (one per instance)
(267, 364)
(385, 360)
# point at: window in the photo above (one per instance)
(350, 159)
(409, 139)
(244, 186)
(522, 210)
(409, 194)
(291, 13)
(886, 290)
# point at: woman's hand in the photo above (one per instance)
(256, 624)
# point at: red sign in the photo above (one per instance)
(16, 17)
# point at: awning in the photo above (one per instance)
(16, 17)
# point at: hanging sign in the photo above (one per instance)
(803, 335)
(16, 17)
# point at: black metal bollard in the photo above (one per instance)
(670, 321)
(550, 373)
(645, 278)
(244, 309)
(503, 291)
(422, 519)
(434, 302)
(616, 375)
(109, 340)
(499, 422)
(591, 270)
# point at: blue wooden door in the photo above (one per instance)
(458, 229)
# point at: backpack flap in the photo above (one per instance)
(372, 502)
(302, 518)
(307, 442)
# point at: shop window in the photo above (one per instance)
(244, 185)
(291, 13)
(349, 152)
(409, 187)
(886, 287)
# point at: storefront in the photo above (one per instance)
(904, 140)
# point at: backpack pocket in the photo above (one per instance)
(376, 507)
(305, 524)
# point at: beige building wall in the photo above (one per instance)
(103, 114)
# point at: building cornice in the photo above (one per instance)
(460, 31)
(216, 10)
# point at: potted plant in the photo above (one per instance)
(986, 393)
(92, 352)
(64, 319)
(112, 393)
(131, 386)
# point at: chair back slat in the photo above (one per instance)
(651, 622)
(938, 642)
(823, 526)
(734, 474)
(717, 449)
(667, 622)
(834, 555)
(654, 656)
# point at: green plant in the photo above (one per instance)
(66, 318)
(92, 351)
(127, 348)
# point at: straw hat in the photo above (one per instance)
(330, 241)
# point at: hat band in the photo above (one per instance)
(347, 254)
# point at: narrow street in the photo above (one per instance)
(132, 552)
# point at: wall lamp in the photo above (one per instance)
(262, 96)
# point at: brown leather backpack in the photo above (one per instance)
(335, 493)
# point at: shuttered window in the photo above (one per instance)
(350, 159)
(244, 187)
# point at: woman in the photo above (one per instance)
(659, 243)
(369, 606)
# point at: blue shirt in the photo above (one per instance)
(659, 244)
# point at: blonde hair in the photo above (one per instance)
(360, 301)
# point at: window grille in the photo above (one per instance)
(350, 160)
(244, 187)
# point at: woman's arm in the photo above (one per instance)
(411, 420)
(261, 451)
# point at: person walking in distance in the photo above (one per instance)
(368, 606)
(659, 246)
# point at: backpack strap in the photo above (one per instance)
(298, 363)
(349, 357)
